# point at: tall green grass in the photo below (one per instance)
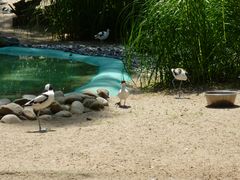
(200, 36)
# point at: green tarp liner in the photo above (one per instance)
(110, 73)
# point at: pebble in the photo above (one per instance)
(112, 51)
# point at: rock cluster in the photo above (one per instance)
(63, 106)
(106, 50)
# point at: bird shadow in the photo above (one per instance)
(43, 131)
(124, 107)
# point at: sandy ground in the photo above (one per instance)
(158, 137)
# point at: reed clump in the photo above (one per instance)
(200, 36)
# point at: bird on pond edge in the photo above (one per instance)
(180, 75)
(102, 35)
(123, 94)
(41, 102)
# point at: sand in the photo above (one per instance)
(158, 137)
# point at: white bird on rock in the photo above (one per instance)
(180, 75)
(41, 102)
(123, 94)
(103, 35)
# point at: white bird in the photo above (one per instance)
(123, 94)
(180, 75)
(41, 102)
(103, 35)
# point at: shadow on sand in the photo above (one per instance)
(222, 106)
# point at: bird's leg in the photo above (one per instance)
(180, 89)
(173, 83)
(39, 123)
(120, 103)
(124, 102)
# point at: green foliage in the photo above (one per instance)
(200, 36)
(82, 19)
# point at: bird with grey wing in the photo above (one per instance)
(102, 35)
(179, 74)
(41, 102)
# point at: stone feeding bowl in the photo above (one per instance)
(221, 98)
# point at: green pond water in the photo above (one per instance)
(28, 74)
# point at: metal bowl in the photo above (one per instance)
(221, 97)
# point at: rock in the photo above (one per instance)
(55, 107)
(96, 106)
(29, 113)
(60, 99)
(77, 107)
(11, 108)
(28, 96)
(86, 110)
(102, 100)
(93, 104)
(46, 111)
(22, 117)
(87, 102)
(69, 99)
(63, 114)
(104, 93)
(65, 107)
(10, 119)
(90, 93)
(21, 101)
(4, 101)
(58, 94)
(85, 96)
(45, 117)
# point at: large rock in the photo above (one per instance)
(102, 100)
(90, 93)
(77, 107)
(28, 112)
(55, 107)
(11, 108)
(10, 119)
(4, 101)
(93, 104)
(70, 98)
(97, 106)
(60, 99)
(21, 101)
(63, 114)
(46, 111)
(87, 102)
(58, 94)
(104, 93)
(65, 107)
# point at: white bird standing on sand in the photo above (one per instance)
(123, 94)
(41, 102)
(180, 75)
(103, 35)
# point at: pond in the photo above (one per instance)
(28, 74)
(34, 67)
